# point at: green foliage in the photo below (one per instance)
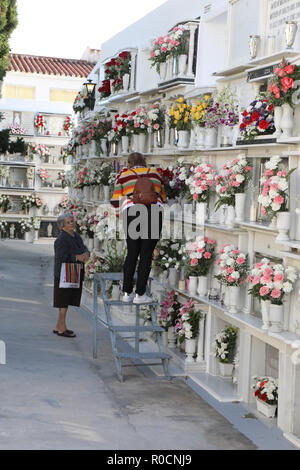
(8, 22)
(4, 140)
(19, 146)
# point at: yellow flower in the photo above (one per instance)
(186, 119)
(204, 105)
(175, 122)
(199, 108)
(207, 97)
(180, 100)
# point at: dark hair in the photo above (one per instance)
(137, 158)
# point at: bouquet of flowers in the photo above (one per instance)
(104, 89)
(64, 202)
(233, 179)
(167, 254)
(200, 255)
(80, 101)
(39, 122)
(200, 182)
(125, 62)
(112, 69)
(187, 325)
(212, 116)
(233, 268)
(36, 222)
(224, 344)
(5, 203)
(62, 177)
(178, 39)
(68, 124)
(141, 121)
(173, 186)
(107, 224)
(271, 281)
(121, 125)
(198, 111)
(228, 110)
(282, 84)
(266, 389)
(43, 174)
(16, 129)
(93, 265)
(26, 225)
(160, 52)
(3, 225)
(82, 178)
(31, 201)
(179, 115)
(275, 187)
(156, 116)
(169, 310)
(258, 119)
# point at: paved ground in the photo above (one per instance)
(55, 396)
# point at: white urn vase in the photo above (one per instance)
(210, 137)
(201, 213)
(115, 293)
(29, 236)
(162, 70)
(125, 143)
(200, 137)
(276, 317)
(92, 149)
(265, 314)
(172, 338)
(182, 63)
(234, 295)
(225, 369)
(173, 277)
(190, 349)
(193, 285)
(103, 145)
(287, 120)
(183, 139)
(283, 226)
(240, 200)
(141, 142)
(36, 235)
(125, 81)
(202, 285)
(106, 190)
(277, 121)
(230, 216)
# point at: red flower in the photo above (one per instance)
(255, 116)
(123, 55)
(256, 393)
(287, 82)
(270, 108)
(289, 69)
(263, 124)
(245, 113)
(279, 72)
(263, 397)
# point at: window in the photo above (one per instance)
(18, 92)
(63, 96)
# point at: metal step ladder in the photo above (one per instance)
(137, 329)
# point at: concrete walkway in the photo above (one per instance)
(55, 396)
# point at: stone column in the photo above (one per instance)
(192, 28)
(132, 71)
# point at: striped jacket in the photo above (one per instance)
(125, 185)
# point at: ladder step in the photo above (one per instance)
(119, 302)
(135, 329)
(147, 355)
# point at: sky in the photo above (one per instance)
(64, 28)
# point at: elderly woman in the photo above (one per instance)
(69, 248)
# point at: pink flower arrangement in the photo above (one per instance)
(271, 281)
(187, 324)
(200, 255)
(169, 310)
(200, 181)
(233, 267)
(43, 174)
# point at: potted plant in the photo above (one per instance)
(198, 111)
(257, 119)
(266, 394)
(258, 279)
(26, 227)
(200, 255)
(187, 328)
(224, 349)
(233, 270)
(114, 262)
(199, 185)
(168, 314)
(5, 203)
(179, 118)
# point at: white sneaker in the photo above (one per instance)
(142, 299)
(128, 297)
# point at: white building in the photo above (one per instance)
(45, 86)
(218, 56)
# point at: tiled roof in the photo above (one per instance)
(50, 65)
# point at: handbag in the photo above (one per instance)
(70, 276)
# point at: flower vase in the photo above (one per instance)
(170, 62)
(172, 338)
(265, 313)
(95, 192)
(210, 137)
(193, 139)
(103, 144)
(162, 70)
(173, 277)
(92, 149)
(283, 226)
(273, 223)
(201, 213)
(200, 137)
(90, 244)
(230, 216)
(106, 193)
(265, 408)
(277, 121)
(115, 293)
(226, 296)
(276, 318)
(190, 349)
(182, 63)
(234, 294)
(141, 142)
(163, 277)
(193, 284)
(29, 237)
(125, 143)
(225, 369)
(96, 244)
(36, 235)
(30, 183)
(202, 285)
(183, 139)
(287, 121)
(240, 200)
(125, 81)
(4, 181)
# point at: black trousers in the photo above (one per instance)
(142, 226)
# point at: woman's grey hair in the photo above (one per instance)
(61, 219)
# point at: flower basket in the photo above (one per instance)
(267, 410)
(266, 394)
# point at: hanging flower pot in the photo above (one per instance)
(183, 139)
(276, 317)
(240, 200)
(103, 145)
(283, 226)
(287, 120)
(190, 349)
(106, 193)
(92, 149)
(202, 285)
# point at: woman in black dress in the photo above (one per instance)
(68, 248)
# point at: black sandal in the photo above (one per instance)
(68, 331)
(66, 334)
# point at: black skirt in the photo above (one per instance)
(62, 298)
